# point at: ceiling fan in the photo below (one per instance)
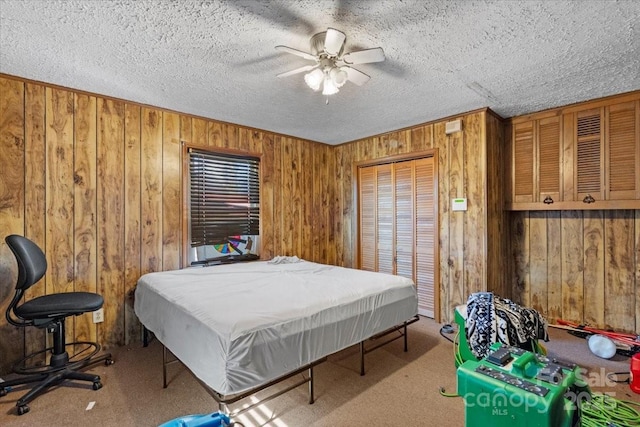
(332, 68)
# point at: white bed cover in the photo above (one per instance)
(239, 326)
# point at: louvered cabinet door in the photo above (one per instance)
(368, 219)
(589, 161)
(523, 162)
(404, 208)
(549, 160)
(425, 235)
(623, 155)
(385, 219)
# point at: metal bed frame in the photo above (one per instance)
(225, 400)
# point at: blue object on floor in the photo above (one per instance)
(215, 419)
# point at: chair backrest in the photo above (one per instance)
(32, 263)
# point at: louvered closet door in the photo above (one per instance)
(368, 221)
(425, 235)
(405, 232)
(397, 224)
(385, 220)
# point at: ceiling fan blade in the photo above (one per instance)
(297, 70)
(364, 56)
(297, 52)
(333, 41)
(356, 76)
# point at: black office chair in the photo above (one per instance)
(48, 312)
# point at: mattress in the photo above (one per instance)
(239, 326)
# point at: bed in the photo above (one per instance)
(241, 326)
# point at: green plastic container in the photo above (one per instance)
(463, 350)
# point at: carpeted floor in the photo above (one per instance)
(398, 389)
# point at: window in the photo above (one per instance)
(224, 203)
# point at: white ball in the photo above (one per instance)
(602, 346)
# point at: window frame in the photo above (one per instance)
(186, 175)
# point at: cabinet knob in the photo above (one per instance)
(588, 199)
(547, 200)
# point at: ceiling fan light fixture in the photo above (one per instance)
(314, 79)
(338, 76)
(329, 87)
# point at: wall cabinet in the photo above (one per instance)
(537, 161)
(583, 157)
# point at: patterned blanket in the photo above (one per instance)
(492, 319)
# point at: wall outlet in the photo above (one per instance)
(98, 316)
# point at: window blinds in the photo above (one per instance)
(224, 196)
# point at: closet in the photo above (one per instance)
(397, 225)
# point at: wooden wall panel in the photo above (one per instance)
(35, 203)
(199, 132)
(474, 189)
(110, 219)
(519, 238)
(583, 262)
(85, 199)
(496, 219)
(305, 250)
(572, 266)
(59, 193)
(343, 208)
(215, 134)
(444, 209)
(457, 179)
(619, 284)
(278, 200)
(171, 185)
(12, 206)
(132, 218)
(538, 264)
(554, 267)
(320, 208)
(151, 190)
(267, 198)
(594, 278)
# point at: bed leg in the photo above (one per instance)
(311, 399)
(164, 366)
(406, 347)
(223, 408)
(361, 358)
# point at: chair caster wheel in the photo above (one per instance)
(3, 392)
(108, 362)
(97, 385)
(23, 409)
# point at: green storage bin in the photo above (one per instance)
(463, 351)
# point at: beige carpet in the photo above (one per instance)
(398, 389)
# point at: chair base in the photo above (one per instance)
(54, 377)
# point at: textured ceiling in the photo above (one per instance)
(216, 59)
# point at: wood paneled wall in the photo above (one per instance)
(96, 183)
(471, 244)
(580, 266)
